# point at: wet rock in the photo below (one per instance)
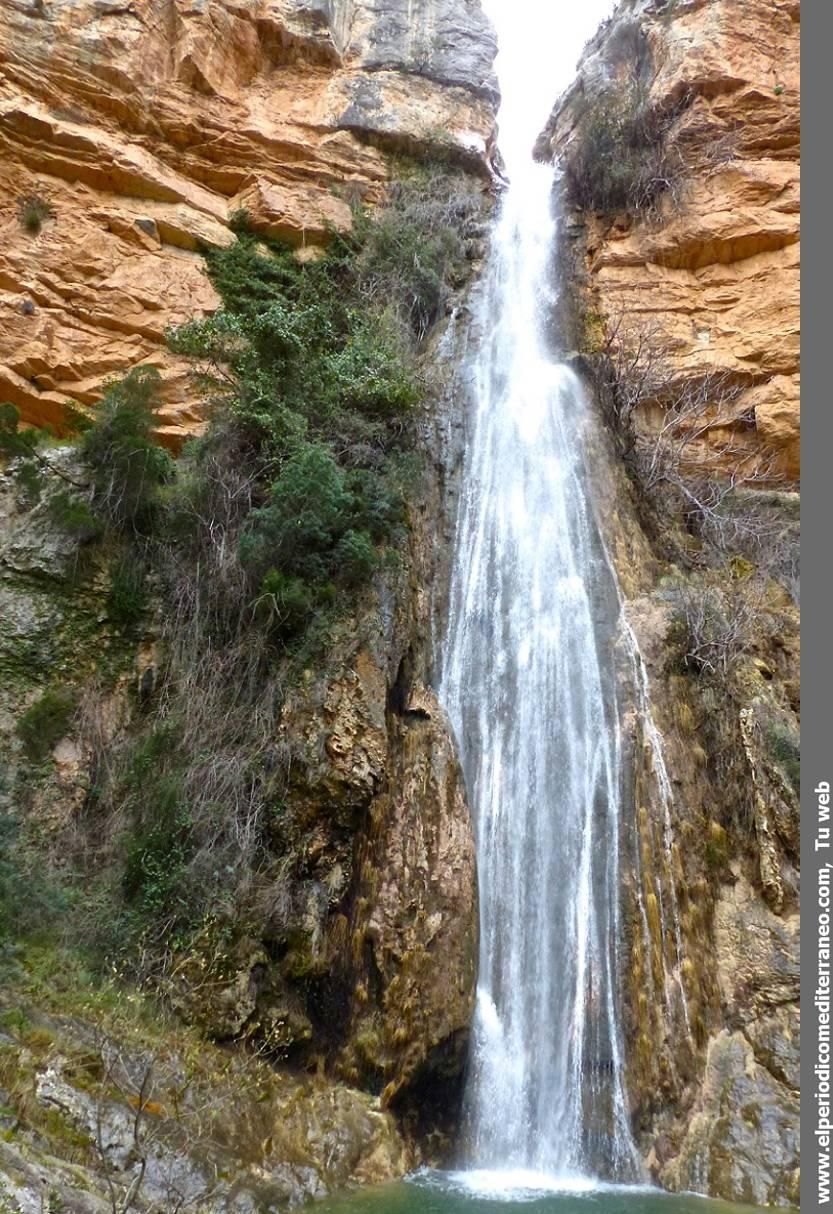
(742, 1142)
(415, 929)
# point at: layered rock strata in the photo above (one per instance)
(131, 134)
(711, 281)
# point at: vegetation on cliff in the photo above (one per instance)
(622, 159)
(241, 560)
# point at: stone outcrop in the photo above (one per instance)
(742, 1139)
(137, 130)
(712, 279)
(711, 907)
(89, 1114)
(416, 909)
(131, 135)
(376, 768)
(344, 968)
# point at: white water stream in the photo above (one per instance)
(529, 684)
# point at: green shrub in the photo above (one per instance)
(29, 903)
(355, 556)
(309, 510)
(295, 357)
(415, 250)
(46, 721)
(621, 158)
(273, 522)
(314, 383)
(13, 440)
(72, 514)
(286, 601)
(127, 596)
(33, 211)
(127, 466)
(21, 444)
(158, 846)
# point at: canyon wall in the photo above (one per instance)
(688, 299)
(712, 278)
(133, 132)
(133, 135)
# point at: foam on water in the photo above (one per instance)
(514, 1185)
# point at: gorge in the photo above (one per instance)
(403, 779)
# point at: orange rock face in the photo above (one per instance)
(145, 124)
(715, 279)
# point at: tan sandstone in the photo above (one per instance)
(714, 280)
(145, 125)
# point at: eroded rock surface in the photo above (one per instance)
(703, 283)
(414, 932)
(712, 1015)
(91, 1116)
(742, 1141)
(144, 127)
(712, 281)
(343, 968)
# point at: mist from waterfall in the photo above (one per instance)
(529, 684)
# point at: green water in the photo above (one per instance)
(436, 1193)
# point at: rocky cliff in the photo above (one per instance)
(132, 133)
(711, 277)
(679, 148)
(135, 137)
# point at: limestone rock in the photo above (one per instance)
(336, 729)
(416, 914)
(713, 282)
(226, 1134)
(757, 953)
(778, 417)
(445, 41)
(743, 1140)
(143, 127)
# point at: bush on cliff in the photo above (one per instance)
(46, 721)
(32, 212)
(621, 158)
(31, 902)
(128, 467)
(269, 527)
(414, 251)
(311, 368)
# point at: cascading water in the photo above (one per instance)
(529, 685)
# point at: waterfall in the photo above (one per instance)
(529, 684)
